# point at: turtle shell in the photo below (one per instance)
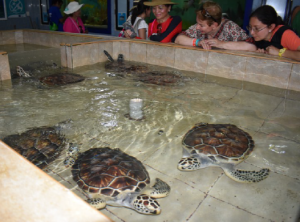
(60, 79)
(221, 140)
(142, 73)
(159, 78)
(122, 68)
(109, 172)
(39, 145)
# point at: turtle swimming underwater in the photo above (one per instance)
(219, 145)
(57, 79)
(112, 177)
(141, 73)
(39, 145)
(121, 67)
(60, 79)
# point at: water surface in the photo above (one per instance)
(98, 107)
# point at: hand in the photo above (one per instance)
(260, 50)
(214, 43)
(204, 44)
(127, 33)
(271, 50)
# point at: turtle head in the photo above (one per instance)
(120, 58)
(145, 204)
(72, 155)
(189, 163)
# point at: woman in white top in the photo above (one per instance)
(137, 19)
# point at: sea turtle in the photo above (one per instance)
(163, 78)
(219, 145)
(57, 79)
(121, 67)
(60, 79)
(39, 145)
(112, 177)
(141, 73)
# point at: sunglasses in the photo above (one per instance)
(159, 29)
(207, 15)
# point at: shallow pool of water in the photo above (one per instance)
(98, 107)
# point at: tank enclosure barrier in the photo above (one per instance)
(79, 50)
(248, 67)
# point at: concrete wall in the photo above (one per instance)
(79, 49)
(243, 66)
(29, 194)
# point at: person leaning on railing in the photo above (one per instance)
(271, 37)
(212, 30)
(137, 20)
(164, 27)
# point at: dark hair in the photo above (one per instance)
(54, 2)
(267, 15)
(138, 9)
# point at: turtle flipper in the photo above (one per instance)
(160, 189)
(72, 155)
(108, 56)
(22, 73)
(97, 203)
(245, 176)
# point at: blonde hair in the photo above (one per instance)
(213, 9)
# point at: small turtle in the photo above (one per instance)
(57, 79)
(39, 145)
(219, 145)
(112, 177)
(140, 72)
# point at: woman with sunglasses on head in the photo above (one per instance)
(211, 30)
(164, 27)
(271, 37)
(74, 23)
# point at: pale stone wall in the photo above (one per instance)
(80, 49)
(4, 67)
(29, 194)
(244, 66)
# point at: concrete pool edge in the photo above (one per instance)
(243, 66)
(79, 50)
(35, 195)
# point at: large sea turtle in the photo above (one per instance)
(123, 68)
(57, 79)
(141, 73)
(112, 177)
(219, 145)
(39, 145)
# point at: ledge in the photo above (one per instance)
(35, 196)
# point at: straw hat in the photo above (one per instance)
(72, 7)
(159, 2)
